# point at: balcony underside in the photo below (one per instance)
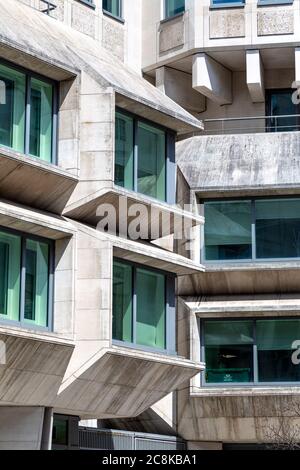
(119, 382)
(33, 368)
(31, 181)
(158, 219)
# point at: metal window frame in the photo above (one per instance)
(119, 17)
(254, 258)
(23, 323)
(170, 162)
(169, 17)
(170, 310)
(232, 385)
(29, 75)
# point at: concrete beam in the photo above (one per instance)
(212, 79)
(255, 76)
(178, 86)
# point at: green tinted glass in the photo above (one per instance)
(12, 108)
(113, 7)
(124, 151)
(41, 120)
(10, 268)
(122, 302)
(151, 305)
(174, 7)
(36, 284)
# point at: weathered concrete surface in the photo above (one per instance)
(171, 34)
(275, 21)
(253, 162)
(211, 79)
(255, 76)
(227, 24)
(21, 427)
(119, 382)
(34, 34)
(34, 368)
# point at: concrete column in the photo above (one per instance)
(255, 76)
(177, 85)
(212, 79)
(47, 429)
(21, 428)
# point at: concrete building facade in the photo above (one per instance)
(149, 222)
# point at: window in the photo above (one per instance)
(227, 3)
(114, 7)
(252, 230)
(142, 157)
(143, 306)
(250, 351)
(26, 275)
(27, 128)
(279, 103)
(174, 7)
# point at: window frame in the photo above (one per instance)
(170, 311)
(22, 322)
(167, 17)
(170, 164)
(254, 258)
(255, 383)
(29, 75)
(120, 17)
(223, 5)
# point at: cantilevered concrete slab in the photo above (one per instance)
(160, 219)
(120, 382)
(68, 50)
(38, 223)
(212, 79)
(33, 182)
(32, 366)
(255, 76)
(242, 305)
(243, 163)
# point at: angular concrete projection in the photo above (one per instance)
(211, 79)
(119, 382)
(33, 368)
(177, 85)
(255, 76)
(297, 66)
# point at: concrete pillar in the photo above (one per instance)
(212, 79)
(21, 428)
(177, 85)
(255, 76)
(47, 429)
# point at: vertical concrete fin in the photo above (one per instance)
(255, 76)
(212, 79)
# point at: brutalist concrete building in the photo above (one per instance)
(175, 323)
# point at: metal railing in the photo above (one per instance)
(252, 124)
(49, 6)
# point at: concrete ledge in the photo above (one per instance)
(38, 223)
(121, 382)
(52, 185)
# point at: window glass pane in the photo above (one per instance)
(228, 351)
(122, 302)
(124, 151)
(151, 161)
(41, 120)
(112, 6)
(278, 228)
(228, 230)
(174, 7)
(36, 283)
(222, 2)
(151, 309)
(12, 108)
(280, 104)
(10, 267)
(60, 431)
(274, 349)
